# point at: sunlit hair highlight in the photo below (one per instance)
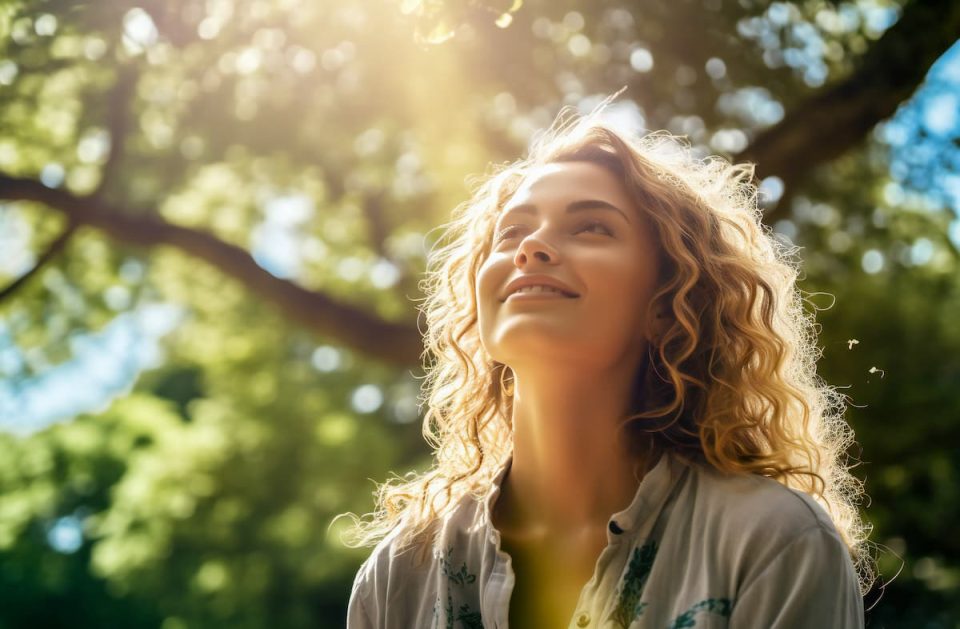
(731, 384)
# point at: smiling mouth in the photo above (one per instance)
(531, 295)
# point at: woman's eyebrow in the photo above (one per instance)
(576, 206)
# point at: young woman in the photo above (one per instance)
(627, 422)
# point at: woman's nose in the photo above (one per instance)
(534, 247)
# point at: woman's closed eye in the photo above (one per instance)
(508, 232)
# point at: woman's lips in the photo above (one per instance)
(536, 296)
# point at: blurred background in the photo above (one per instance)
(214, 215)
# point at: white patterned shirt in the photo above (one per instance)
(694, 549)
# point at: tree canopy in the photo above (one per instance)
(214, 216)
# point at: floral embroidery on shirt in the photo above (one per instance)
(468, 618)
(460, 577)
(629, 606)
(719, 606)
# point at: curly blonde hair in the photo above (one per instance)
(732, 382)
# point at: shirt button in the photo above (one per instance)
(583, 620)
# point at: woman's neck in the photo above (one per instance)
(571, 467)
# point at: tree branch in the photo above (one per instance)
(51, 252)
(839, 116)
(354, 327)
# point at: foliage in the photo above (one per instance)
(328, 139)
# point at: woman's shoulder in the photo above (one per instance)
(395, 561)
(758, 528)
(408, 550)
(401, 570)
(746, 503)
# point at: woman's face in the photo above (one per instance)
(574, 223)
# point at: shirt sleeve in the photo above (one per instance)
(809, 584)
(358, 617)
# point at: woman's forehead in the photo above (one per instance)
(569, 181)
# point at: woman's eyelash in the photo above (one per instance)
(506, 232)
(596, 224)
